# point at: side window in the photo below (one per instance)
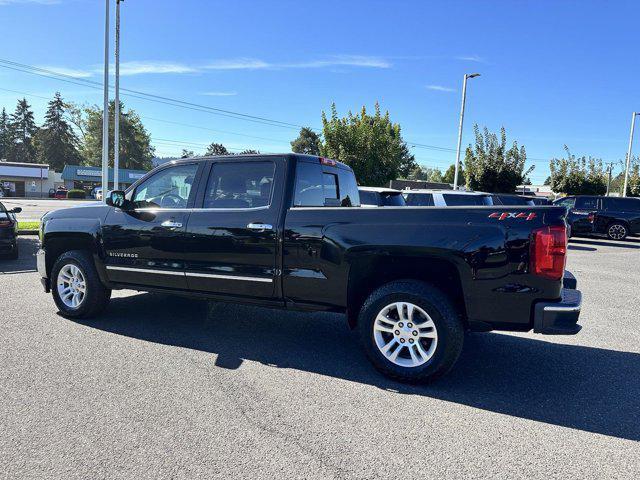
(587, 203)
(169, 188)
(240, 185)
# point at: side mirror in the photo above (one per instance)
(16, 210)
(116, 199)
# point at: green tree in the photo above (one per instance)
(5, 136)
(216, 149)
(370, 144)
(56, 143)
(426, 174)
(249, 151)
(633, 187)
(136, 151)
(450, 174)
(578, 176)
(491, 167)
(187, 153)
(307, 142)
(22, 128)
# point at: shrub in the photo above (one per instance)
(76, 193)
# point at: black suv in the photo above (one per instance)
(615, 217)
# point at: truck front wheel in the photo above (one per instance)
(76, 287)
(410, 331)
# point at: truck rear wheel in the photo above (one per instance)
(76, 286)
(410, 331)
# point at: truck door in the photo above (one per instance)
(233, 231)
(144, 244)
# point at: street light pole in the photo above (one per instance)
(116, 126)
(464, 98)
(626, 170)
(105, 112)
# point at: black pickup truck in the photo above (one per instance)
(287, 231)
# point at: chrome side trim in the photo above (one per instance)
(229, 277)
(144, 270)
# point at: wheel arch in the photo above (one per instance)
(371, 272)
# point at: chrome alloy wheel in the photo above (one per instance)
(72, 286)
(405, 334)
(617, 231)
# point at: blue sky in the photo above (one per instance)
(553, 72)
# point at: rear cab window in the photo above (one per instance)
(324, 186)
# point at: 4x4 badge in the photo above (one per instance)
(505, 215)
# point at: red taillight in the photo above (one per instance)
(548, 252)
(6, 223)
(328, 162)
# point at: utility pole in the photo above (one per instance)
(464, 97)
(626, 170)
(105, 112)
(116, 126)
(609, 180)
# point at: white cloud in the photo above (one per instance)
(71, 72)
(343, 60)
(471, 58)
(147, 67)
(440, 88)
(237, 64)
(332, 61)
(220, 94)
(39, 2)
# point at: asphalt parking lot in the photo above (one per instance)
(160, 387)
(35, 208)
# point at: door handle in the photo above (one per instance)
(171, 224)
(259, 227)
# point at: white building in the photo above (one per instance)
(27, 179)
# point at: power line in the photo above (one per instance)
(43, 72)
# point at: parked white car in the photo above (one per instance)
(445, 198)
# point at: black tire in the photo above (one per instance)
(617, 231)
(97, 295)
(449, 327)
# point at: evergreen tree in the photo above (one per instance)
(307, 142)
(5, 140)
(216, 149)
(22, 128)
(249, 151)
(56, 143)
(136, 151)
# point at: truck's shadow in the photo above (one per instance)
(590, 389)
